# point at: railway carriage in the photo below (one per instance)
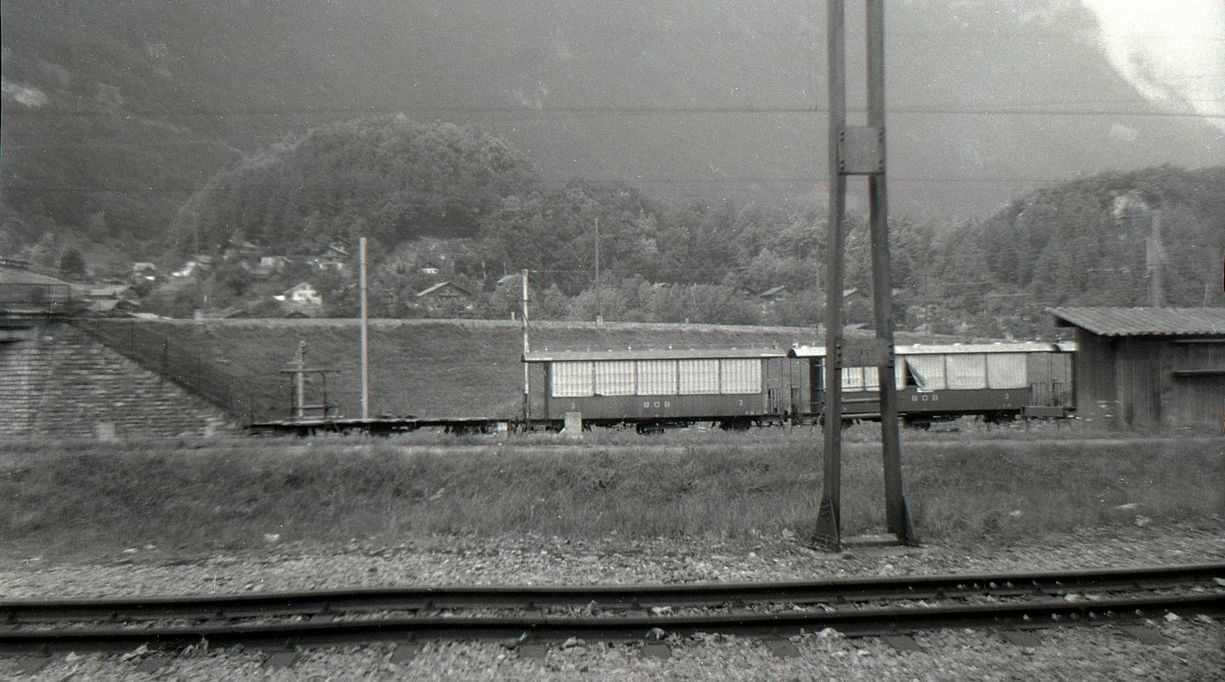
(997, 381)
(654, 389)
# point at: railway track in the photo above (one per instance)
(860, 607)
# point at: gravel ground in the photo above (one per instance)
(1194, 649)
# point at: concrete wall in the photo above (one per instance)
(57, 382)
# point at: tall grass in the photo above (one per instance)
(225, 494)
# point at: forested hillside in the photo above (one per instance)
(390, 179)
(1087, 242)
(448, 203)
(115, 112)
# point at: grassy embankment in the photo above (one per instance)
(430, 368)
(99, 498)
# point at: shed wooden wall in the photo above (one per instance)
(1139, 379)
(1094, 373)
(1198, 398)
(1135, 381)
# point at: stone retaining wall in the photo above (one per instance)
(57, 382)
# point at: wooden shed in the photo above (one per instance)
(1148, 366)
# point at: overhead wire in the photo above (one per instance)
(1019, 109)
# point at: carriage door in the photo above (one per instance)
(816, 379)
(772, 376)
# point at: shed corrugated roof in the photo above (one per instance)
(1143, 321)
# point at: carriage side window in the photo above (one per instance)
(699, 377)
(871, 379)
(614, 377)
(967, 370)
(927, 371)
(852, 379)
(572, 380)
(868, 378)
(740, 376)
(657, 377)
(1007, 370)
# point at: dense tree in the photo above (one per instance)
(392, 178)
(1086, 242)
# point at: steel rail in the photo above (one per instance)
(608, 596)
(519, 627)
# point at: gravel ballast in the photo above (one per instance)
(1194, 648)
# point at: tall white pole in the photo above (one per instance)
(300, 382)
(527, 346)
(361, 245)
(598, 317)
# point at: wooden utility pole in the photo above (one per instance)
(859, 150)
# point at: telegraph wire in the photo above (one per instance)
(1020, 109)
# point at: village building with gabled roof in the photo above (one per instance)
(302, 298)
(25, 292)
(445, 297)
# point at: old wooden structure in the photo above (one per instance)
(1140, 367)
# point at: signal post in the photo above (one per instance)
(858, 150)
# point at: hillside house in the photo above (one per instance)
(301, 295)
(193, 266)
(110, 299)
(23, 292)
(853, 296)
(239, 251)
(773, 296)
(445, 296)
(335, 257)
(270, 264)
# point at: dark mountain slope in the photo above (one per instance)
(115, 111)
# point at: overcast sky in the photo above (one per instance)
(1173, 51)
(699, 99)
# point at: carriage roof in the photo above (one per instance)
(665, 354)
(949, 349)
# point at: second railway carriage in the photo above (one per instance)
(653, 389)
(996, 381)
